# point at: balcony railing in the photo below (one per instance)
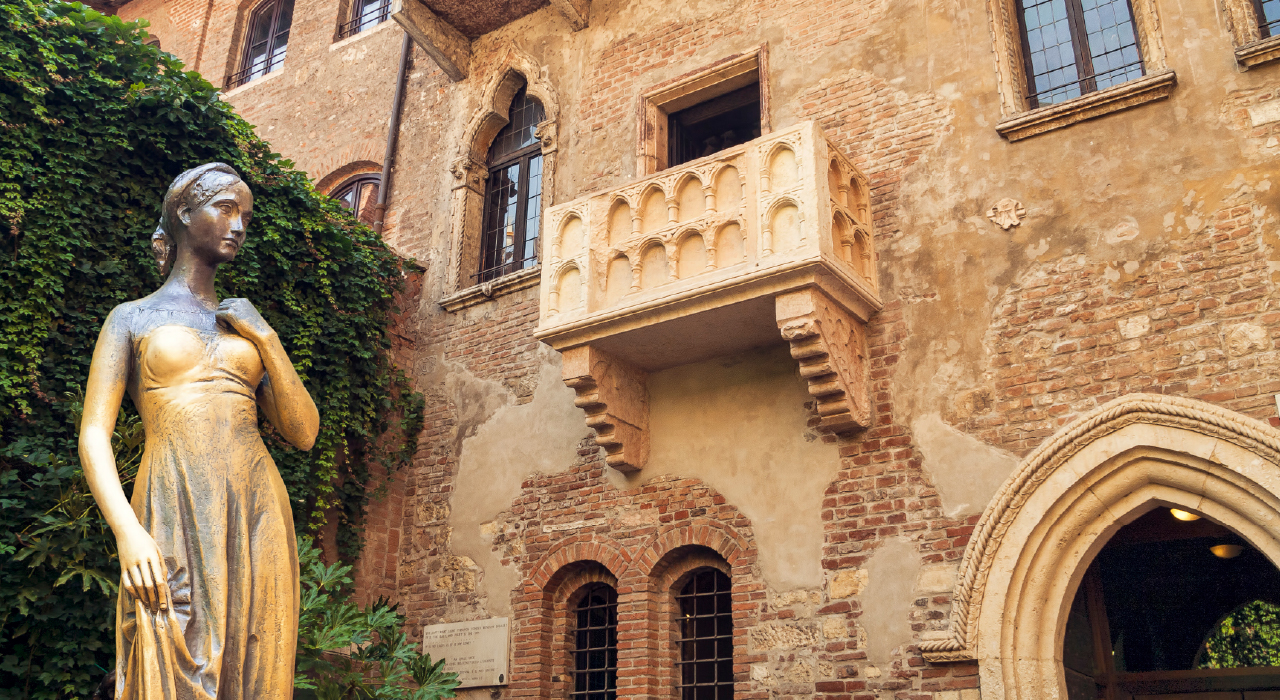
(728, 252)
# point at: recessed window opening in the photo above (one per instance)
(1268, 14)
(365, 14)
(595, 644)
(705, 666)
(1074, 47)
(1174, 603)
(267, 39)
(359, 194)
(513, 193)
(721, 122)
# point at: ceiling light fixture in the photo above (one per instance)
(1183, 515)
(1226, 551)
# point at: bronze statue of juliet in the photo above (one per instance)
(208, 604)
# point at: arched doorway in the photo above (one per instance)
(1032, 549)
(1174, 605)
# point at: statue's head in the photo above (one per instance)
(205, 211)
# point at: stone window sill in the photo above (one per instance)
(1258, 52)
(253, 83)
(344, 43)
(481, 293)
(1156, 86)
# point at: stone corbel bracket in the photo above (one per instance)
(442, 42)
(828, 341)
(615, 396)
(831, 346)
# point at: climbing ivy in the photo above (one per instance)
(94, 124)
(1249, 636)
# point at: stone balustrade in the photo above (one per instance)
(762, 243)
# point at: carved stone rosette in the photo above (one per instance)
(831, 346)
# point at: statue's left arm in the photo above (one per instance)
(281, 395)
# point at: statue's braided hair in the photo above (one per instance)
(192, 188)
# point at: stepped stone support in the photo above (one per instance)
(831, 347)
(615, 397)
(444, 44)
(576, 11)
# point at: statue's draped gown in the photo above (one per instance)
(210, 495)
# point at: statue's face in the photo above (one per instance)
(215, 231)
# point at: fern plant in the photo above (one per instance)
(345, 651)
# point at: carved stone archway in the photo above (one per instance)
(1033, 544)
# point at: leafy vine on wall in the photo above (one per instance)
(94, 125)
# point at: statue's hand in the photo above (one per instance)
(142, 570)
(244, 319)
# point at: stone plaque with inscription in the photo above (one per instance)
(477, 650)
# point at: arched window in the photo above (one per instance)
(365, 14)
(359, 194)
(513, 193)
(595, 644)
(705, 607)
(265, 41)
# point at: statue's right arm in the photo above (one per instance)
(142, 569)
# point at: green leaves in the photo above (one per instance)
(345, 651)
(94, 125)
(1248, 637)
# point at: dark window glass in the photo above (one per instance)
(513, 193)
(266, 41)
(359, 194)
(1268, 12)
(719, 123)
(1073, 47)
(365, 14)
(595, 645)
(705, 668)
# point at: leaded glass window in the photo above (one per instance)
(1074, 47)
(513, 193)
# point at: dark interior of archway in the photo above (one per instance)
(1148, 602)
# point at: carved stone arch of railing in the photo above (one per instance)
(1030, 549)
(469, 167)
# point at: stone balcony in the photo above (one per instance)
(759, 244)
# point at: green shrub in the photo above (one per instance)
(94, 125)
(345, 651)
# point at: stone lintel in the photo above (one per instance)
(576, 11)
(446, 45)
(830, 343)
(615, 396)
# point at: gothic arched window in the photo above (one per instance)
(513, 193)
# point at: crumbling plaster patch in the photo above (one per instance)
(966, 471)
(515, 441)
(891, 583)
(740, 425)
